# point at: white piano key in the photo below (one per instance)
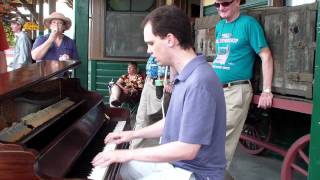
(98, 173)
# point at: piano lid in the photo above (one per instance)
(14, 82)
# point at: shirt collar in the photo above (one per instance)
(189, 68)
(18, 34)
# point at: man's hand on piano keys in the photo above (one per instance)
(105, 158)
(119, 137)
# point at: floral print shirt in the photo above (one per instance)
(134, 83)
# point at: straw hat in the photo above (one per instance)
(56, 15)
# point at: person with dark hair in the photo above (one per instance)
(22, 51)
(55, 46)
(128, 87)
(238, 39)
(3, 46)
(193, 130)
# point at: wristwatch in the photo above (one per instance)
(267, 90)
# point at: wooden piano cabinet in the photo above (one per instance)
(15, 164)
(117, 114)
(10, 147)
(52, 148)
(17, 81)
(57, 160)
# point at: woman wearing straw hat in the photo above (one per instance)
(55, 46)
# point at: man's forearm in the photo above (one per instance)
(152, 131)
(39, 52)
(173, 151)
(267, 68)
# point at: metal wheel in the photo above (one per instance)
(257, 125)
(296, 159)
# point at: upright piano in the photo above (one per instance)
(51, 127)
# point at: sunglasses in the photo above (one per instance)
(224, 4)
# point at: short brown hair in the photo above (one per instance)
(170, 19)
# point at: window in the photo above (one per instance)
(124, 36)
(299, 2)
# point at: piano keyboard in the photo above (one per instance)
(99, 173)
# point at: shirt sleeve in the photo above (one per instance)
(198, 116)
(40, 40)
(256, 35)
(24, 51)
(121, 80)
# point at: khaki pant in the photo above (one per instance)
(118, 95)
(238, 99)
(115, 94)
(149, 112)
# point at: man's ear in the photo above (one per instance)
(171, 40)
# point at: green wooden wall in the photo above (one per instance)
(82, 39)
(101, 72)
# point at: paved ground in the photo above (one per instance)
(248, 167)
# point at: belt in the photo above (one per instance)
(236, 83)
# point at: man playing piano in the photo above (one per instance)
(193, 132)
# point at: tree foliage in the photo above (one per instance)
(9, 34)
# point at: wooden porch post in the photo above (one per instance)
(33, 19)
(276, 3)
(201, 8)
(81, 9)
(314, 149)
(52, 6)
(40, 17)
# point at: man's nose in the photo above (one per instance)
(149, 51)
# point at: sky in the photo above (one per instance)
(300, 2)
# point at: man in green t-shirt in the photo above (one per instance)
(238, 39)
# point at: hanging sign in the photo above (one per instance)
(31, 26)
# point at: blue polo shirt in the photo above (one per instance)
(197, 115)
(67, 47)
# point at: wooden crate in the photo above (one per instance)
(290, 32)
(205, 29)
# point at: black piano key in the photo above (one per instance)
(82, 167)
